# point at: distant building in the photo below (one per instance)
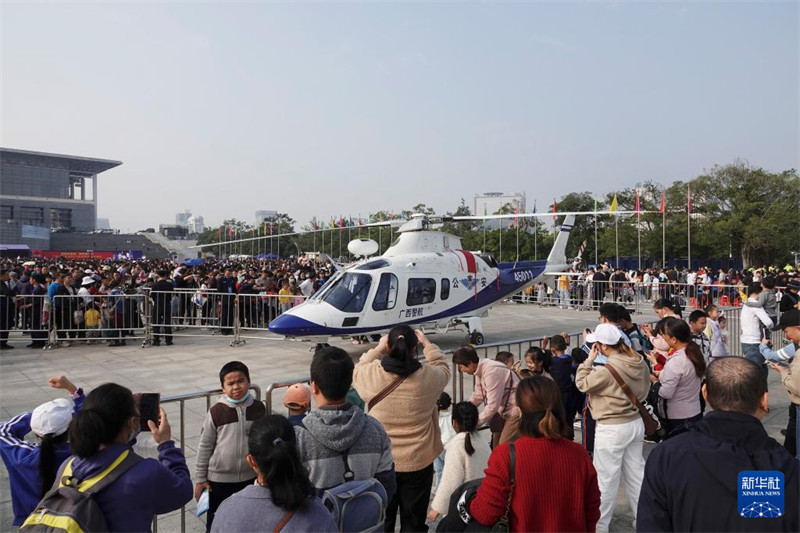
(182, 219)
(261, 215)
(489, 203)
(196, 224)
(103, 223)
(43, 192)
(173, 231)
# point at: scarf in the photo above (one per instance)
(404, 367)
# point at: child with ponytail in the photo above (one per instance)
(466, 456)
(32, 468)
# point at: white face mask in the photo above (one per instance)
(134, 433)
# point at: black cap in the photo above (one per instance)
(788, 319)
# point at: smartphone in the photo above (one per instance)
(780, 363)
(149, 404)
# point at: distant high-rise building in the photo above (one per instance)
(489, 203)
(182, 219)
(196, 224)
(262, 214)
(103, 223)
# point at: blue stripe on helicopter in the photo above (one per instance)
(512, 277)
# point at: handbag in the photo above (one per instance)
(283, 522)
(652, 425)
(458, 518)
(497, 422)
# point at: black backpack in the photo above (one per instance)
(69, 507)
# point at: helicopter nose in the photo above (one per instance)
(290, 325)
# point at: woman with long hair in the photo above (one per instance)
(32, 467)
(665, 307)
(551, 470)
(401, 393)
(282, 495)
(102, 433)
(466, 456)
(681, 377)
(619, 436)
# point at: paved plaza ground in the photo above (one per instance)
(193, 362)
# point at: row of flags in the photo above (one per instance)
(350, 222)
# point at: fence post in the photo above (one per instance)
(236, 314)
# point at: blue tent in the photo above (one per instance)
(267, 256)
(194, 262)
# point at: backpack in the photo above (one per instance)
(357, 506)
(69, 506)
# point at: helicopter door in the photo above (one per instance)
(386, 294)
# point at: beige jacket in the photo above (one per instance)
(791, 381)
(409, 414)
(608, 403)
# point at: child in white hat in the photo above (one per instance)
(32, 467)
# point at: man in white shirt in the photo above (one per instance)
(751, 320)
(307, 287)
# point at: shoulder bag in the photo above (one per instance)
(385, 392)
(652, 425)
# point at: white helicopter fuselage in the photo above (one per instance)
(425, 278)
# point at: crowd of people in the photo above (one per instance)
(385, 428)
(104, 301)
(690, 288)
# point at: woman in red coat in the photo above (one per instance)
(555, 482)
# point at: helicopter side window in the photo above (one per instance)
(349, 294)
(386, 295)
(445, 289)
(421, 291)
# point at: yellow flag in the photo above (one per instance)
(614, 204)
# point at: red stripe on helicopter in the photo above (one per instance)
(471, 266)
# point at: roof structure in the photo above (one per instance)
(75, 164)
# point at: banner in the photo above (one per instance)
(52, 254)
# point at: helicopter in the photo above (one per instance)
(424, 279)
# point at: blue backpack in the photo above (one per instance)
(357, 506)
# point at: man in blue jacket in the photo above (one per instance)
(691, 482)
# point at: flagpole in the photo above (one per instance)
(595, 232)
(639, 227)
(616, 238)
(689, 223)
(501, 240)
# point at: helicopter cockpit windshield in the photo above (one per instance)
(348, 293)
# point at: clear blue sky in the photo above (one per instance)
(329, 109)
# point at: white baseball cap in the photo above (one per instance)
(52, 417)
(605, 334)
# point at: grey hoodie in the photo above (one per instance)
(326, 433)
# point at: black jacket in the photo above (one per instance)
(691, 480)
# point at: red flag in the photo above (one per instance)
(554, 209)
(230, 231)
(663, 201)
(688, 199)
(637, 203)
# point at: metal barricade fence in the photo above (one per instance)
(589, 294)
(190, 313)
(114, 317)
(181, 400)
(256, 311)
(30, 316)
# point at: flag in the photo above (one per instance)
(516, 219)
(230, 231)
(341, 222)
(554, 209)
(614, 204)
(595, 205)
(484, 209)
(688, 199)
(270, 229)
(638, 213)
(663, 201)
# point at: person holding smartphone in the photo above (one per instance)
(790, 375)
(619, 435)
